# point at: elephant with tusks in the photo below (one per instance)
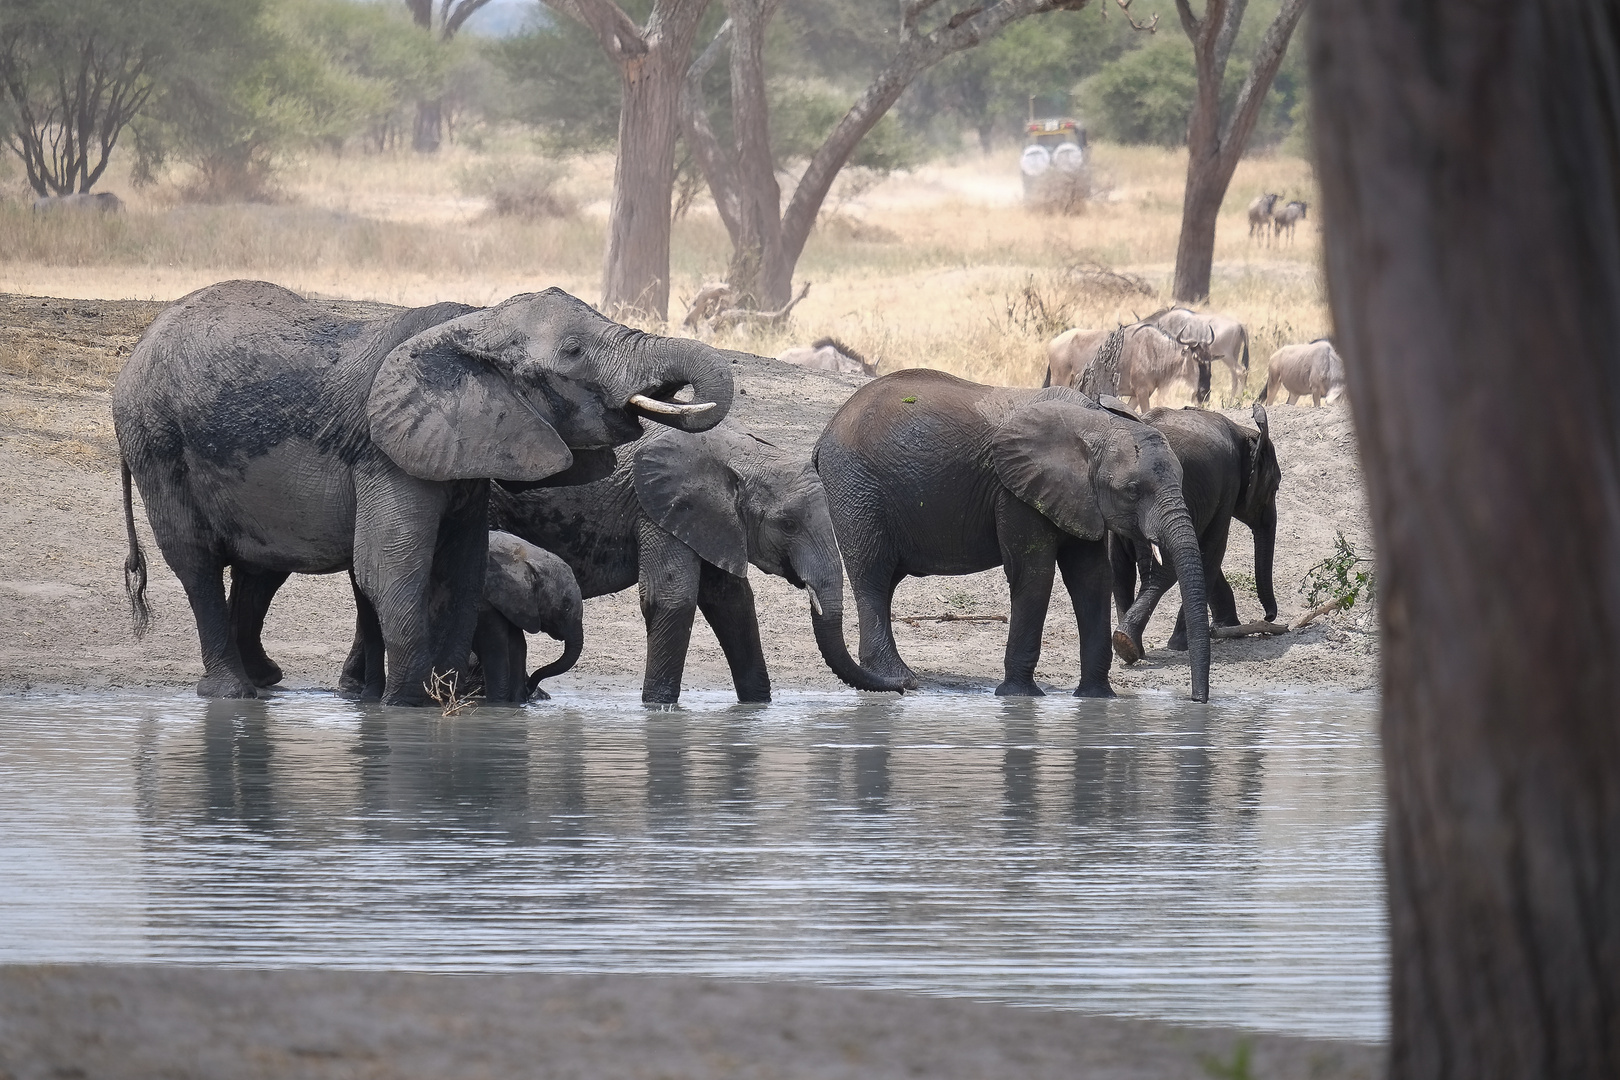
(267, 434)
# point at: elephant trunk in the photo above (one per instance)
(662, 366)
(1179, 542)
(1265, 549)
(573, 642)
(825, 584)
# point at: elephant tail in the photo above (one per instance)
(135, 564)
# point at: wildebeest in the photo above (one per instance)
(1151, 358)
(830, 354)
(104, 201)
(1068, 354)
(1260, 215)
(1230, 344)
(1288, 217)
(1313, 369)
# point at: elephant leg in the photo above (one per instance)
(395, 535)
(671, 577)
(1156, 580)
(517, 662)
(1085, 574)
(249, 602)
(363, 673)
(727, 603)
(493, 647)
(457, 595)
(202, 575)
(1029, 557)
(1122, 557)
(1222, 601)
(873, 585)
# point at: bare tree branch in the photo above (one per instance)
(619, 35)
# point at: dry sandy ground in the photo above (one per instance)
(176, 1023)
(64, 619)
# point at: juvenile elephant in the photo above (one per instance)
(1227, 472)
(526, 588)
(269, 435)
(1313, 369)
(930, 474)
(684, 515)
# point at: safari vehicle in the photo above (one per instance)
(1054, 151)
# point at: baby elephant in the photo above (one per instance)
(526, 588)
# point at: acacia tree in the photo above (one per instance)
(652, 59)
(767, 240)
(1215, 143)
(1468, 159)
(442, 21)
(78, 74)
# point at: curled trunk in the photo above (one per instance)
(572, 644)
(665, 365)
(829, 629)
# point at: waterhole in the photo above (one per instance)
(1202, 864)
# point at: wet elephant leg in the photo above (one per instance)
(1028, 555)
(727, 603)
(1122, 557)
(250, 596)
(202, 575)
(1085, 574)
(493, 647)
(459, 558)
(396, 534)
(364, 673)
(671, 575)
(517, 662)
(1222, 602)
(1156, 580)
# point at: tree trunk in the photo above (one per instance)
(1213, 151)
(757, 271)
(1468, 159)
(428, 133)
(635, 276)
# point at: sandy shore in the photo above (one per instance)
(64, 621)
(135, 1022)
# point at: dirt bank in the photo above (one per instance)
(64, 620)
(134, 1022)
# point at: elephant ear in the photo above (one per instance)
(512, 582)
(1041, 456)
(445, 410)
(688, 490)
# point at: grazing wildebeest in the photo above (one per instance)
(1260, 215)
(1313, 369)
(1068, 354)
(1288, 217)
(830, 354)
(104, 201)
(1151, 358)
(1230, 345)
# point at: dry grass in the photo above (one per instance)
(924, 269)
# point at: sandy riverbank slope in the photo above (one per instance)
(64, 619)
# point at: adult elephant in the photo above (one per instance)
(1227, 471)
(270, 435)
(684, 515)
(930, 474)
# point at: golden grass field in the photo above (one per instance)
(939, 267)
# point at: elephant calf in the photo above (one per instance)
(930, 474)
(684, 515)
(1227, 472)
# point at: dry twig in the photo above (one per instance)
(441, 688)
(1316, 613)
(913, 620)
(1248, 629)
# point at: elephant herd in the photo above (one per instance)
(479, 473)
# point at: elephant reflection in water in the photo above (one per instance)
(867, 780)
(1020, 769)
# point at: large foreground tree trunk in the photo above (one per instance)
(1214, 147)
(1470, 168)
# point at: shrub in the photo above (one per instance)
(529, 189)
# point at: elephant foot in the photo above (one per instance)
(1178, 641)
(539, 695)
(1128, 651)
(660, 697)
(225, 684)
(263, 671)
(1094, 690)
(1019, 688)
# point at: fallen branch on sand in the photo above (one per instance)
(913, 620)
(1248, 629)
(1316, 613)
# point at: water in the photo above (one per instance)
(1211, 865)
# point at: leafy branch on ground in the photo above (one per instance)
(1343, 577)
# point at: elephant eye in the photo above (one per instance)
(571, 346)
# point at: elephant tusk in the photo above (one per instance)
(669, 408)
(815, 601)
(1158, 556)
